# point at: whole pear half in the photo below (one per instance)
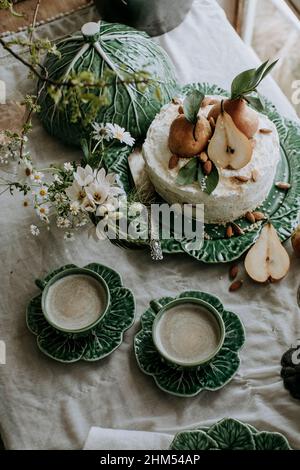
(186, 139)
(245, 118)
(229, 147)
(267, 259)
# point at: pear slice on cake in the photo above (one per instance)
(267, 259)
(229, 147)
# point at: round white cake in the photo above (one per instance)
(232, 198)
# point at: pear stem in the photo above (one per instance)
(222, 107)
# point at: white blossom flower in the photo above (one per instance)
(101, 132)
(76, 192)
(84, 176)
(41, 192)
(74, 207)
(63, 222)
(68, 166)
(25, 170)
(60, 198)
(37, 176)
(34, 230)
(69, 236)
(57, 178)
(42, 212)
(88, 205)
(120, 134)
(102, 187)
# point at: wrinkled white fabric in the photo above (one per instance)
(47, 405)
(119, 439)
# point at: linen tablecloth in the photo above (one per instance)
(47, 405)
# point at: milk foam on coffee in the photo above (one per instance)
(75, 301)
(188, 333)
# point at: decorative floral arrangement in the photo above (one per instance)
(71, 193)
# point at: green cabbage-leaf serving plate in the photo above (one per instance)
(96, 343)
(189, 382)
(280, 207)
(229, 434)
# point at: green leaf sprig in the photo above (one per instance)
(247, 82)
(193, 172)
(191, 105)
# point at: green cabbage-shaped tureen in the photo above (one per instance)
(115, 53)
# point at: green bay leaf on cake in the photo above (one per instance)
(124, 77)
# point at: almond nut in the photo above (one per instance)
(203, 157)
(282, 185)
(236, 285)
(250, 217)
(265, 131)
(229, 231)
(258, 216)
(173, 162)
(233, 272)
(242, 179)
(237, 230)
(207, 167)
(254, 175)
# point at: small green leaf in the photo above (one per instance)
(188, 174)
(260, 70)
(269, 69)
(242, 82)
(247, 82)
(191, 105)
(208, 183)
(212, 180)
(256, 102)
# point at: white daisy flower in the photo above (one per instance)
(42, 212)
(41, 192)
(120, 134)
(74, 207)
(25, 170)
(68, 166)
(84, 176)
(37, 176)
(101, 132)
(34, 230)
(76, 192)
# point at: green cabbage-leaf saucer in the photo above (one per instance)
(229, 434)
(189, 382)
(97, 343)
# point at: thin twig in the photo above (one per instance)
(35, 13)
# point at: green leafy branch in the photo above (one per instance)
(8, 5)
(247, 82)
